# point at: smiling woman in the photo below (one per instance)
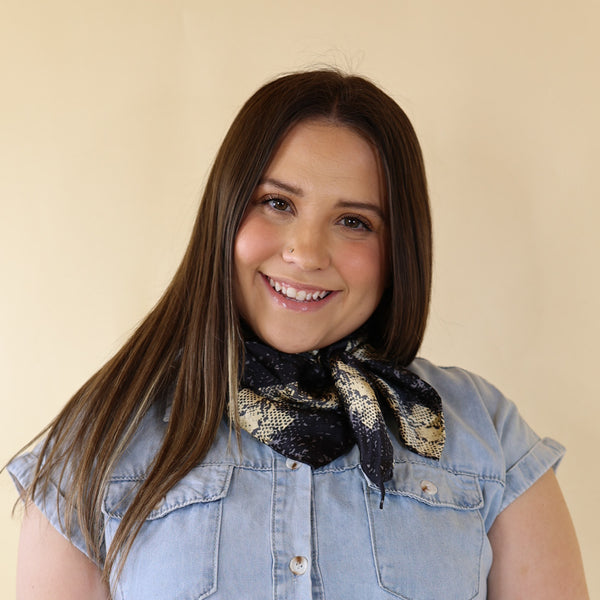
(321, 196)
(294, 320)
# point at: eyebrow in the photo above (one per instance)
(352, 204)
(286, 187)
(361, 206)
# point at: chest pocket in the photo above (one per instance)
(175, 554)
(427, 540)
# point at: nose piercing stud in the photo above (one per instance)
(291, 250)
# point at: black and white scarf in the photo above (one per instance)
(314, 406)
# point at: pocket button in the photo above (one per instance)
(429, 487)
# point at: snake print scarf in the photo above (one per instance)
(314, 406)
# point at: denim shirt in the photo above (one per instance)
(256, 526)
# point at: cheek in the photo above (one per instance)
(251, 243)
(365, 268)
(244, 261)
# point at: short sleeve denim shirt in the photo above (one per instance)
(254, 525)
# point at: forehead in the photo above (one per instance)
(307, 130)
(322, 151)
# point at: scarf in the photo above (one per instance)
(314, 406)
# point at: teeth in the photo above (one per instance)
(294, 294)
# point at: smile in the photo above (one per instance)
(300, 295)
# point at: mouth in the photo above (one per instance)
(296, 292)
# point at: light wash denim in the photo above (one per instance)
(256, 526)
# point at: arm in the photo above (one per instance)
(536, 554)
(51, 568)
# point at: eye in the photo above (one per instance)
(277, 203)
(356, 223)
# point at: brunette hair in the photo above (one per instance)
(189, 339)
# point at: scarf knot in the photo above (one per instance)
(314, 406)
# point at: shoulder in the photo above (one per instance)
(135, 461)
(458, 386)
(471, 404)
(145, 443)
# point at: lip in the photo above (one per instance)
(297, 305)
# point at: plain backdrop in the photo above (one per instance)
(111, 112)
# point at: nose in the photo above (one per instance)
(307, 248)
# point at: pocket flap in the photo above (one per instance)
(205, 483)
(435, 486)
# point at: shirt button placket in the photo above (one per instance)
(292, 529)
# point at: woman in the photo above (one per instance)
(294, 321)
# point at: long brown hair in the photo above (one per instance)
(182, 347)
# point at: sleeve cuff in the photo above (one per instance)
(545, 454)
(21, 470)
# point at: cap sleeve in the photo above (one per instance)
(526, 456)
(51, 504)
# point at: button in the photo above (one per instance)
(290, 463)
(298, 565)
(429, 487)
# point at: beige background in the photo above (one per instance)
(110, 114)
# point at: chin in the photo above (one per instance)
(294, 344)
